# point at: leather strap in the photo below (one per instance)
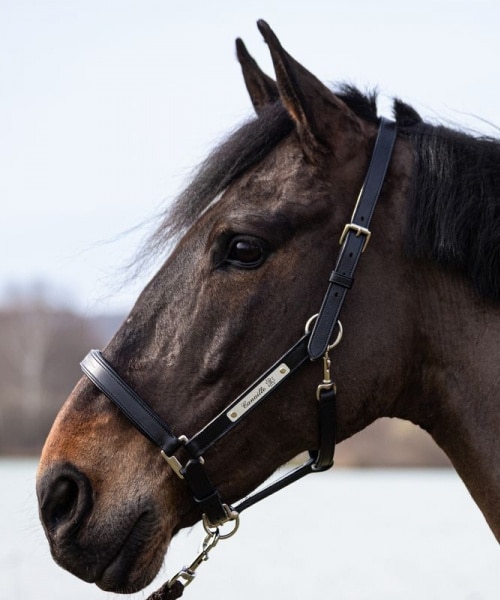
(278, 485)
(327, 409)
(221, 424)
(139, 413)
(205, 494)
(320, 460)
(354, 239)
(151, 425)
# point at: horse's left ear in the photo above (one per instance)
(319, 115)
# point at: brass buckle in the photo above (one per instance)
(359, 231)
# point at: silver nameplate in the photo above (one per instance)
(259, 392)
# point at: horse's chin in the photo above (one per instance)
(113, 579)
(136, 562)
(117, 578)
(122, 555)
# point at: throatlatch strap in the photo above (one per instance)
(354, 240)
(320, 460)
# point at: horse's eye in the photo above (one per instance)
(247, 253)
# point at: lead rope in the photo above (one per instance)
(168, 593)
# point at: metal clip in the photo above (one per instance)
(327, 363)
(231, 517)
(213, 535)
(187, 574)
(327, 383)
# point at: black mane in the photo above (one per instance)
(454, 205)
(454, 211)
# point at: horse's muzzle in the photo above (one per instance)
(65, 499)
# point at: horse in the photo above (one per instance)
(254, 238)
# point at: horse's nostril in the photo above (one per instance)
(65, 498)
(62, 501)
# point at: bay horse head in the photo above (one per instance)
(256, 238)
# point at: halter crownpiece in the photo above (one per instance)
(354, 240)
(312, 345)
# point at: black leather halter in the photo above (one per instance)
(312, 345)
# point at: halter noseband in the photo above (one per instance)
(313, 345)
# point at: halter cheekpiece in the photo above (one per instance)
(314, 344)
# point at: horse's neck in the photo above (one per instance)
(460, 381)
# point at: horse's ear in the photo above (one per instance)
(262, 89)
(316, 110)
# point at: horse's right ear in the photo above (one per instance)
(319, 115)
(262, 89)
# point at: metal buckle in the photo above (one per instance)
(187, 574)
(359, 231)
(172, 461)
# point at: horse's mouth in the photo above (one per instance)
(132, 566)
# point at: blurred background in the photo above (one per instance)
(106, 107)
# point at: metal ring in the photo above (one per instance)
(212, 529)
(337, 339)
(310, 322)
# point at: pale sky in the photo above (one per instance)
(106, 106)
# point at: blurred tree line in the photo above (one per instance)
(42, 344)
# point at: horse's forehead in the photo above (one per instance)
(271, 181)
